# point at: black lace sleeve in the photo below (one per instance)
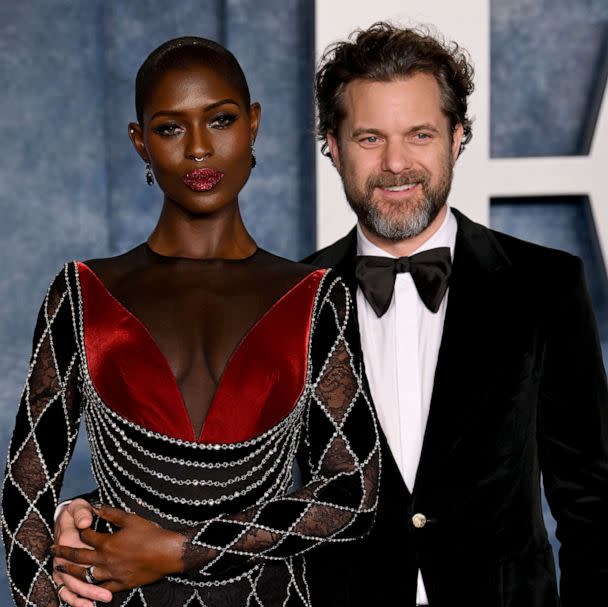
(341, 452)
(45, 433)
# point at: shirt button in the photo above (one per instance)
(419, 520)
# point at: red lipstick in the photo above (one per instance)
(202, 180)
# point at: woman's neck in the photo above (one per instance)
(220, 235)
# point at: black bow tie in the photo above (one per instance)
(430, 271)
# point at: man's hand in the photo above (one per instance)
(76, 516)
(139, 553)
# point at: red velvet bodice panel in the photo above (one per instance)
(260, 385)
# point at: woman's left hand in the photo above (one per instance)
(139, 553)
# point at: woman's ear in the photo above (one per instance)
(255, 115)
(136, 136)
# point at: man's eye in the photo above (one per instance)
(370, 139)
(422, 136)
(169, 129)
(223, 121)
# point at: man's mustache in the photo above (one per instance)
(391, 181)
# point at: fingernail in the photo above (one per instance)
(60, 568)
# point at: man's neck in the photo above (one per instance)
(405, 247)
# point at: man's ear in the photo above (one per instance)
(334, 149)
(457, 135)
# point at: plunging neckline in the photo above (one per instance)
(196, 437)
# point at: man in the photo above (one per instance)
(484, 372)
(478, 389)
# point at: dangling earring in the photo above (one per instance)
(149, 174)
(253, 160)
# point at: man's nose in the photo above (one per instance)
(396, 157)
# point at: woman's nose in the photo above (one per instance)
(199, 146)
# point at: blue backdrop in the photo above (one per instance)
(549, 63)
(72, 187)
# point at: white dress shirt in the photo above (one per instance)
(400, 351)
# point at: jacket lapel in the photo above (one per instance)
(477, 301)
(343, 261)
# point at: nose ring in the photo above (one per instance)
(200, 158)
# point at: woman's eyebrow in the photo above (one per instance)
(211, 106)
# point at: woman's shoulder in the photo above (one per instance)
(113, 269)
(329, 287)
(116, 263)
(280, 275)
(286, 267)
(67, 277)
(329, 282)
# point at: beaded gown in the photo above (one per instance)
(203, 384)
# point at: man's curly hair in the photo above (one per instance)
(383, 53)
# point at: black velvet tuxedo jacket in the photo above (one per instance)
(520, 390)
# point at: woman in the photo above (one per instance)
(204, 367)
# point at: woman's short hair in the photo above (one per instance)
(183, 53)
(383, 53)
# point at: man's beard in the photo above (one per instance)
(399, 220)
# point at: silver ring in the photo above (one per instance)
(88, 575)
(59, 589)
(199, 158)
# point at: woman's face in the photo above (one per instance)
(197, 135)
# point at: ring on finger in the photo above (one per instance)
(59, 589)
(89, 576)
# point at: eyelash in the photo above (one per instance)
(366, 140)
(226, 119)
(418, 137)
(170, 129)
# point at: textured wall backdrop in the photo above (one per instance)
(549, 64)
(71, 186)
(549, 73)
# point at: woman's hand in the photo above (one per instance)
(139, 553)
(74, 517)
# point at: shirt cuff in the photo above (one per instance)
(60, 508)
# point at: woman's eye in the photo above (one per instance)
(223, 121)
(169, 129)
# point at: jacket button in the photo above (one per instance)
(419, 520)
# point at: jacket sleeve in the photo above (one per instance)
(341, 444)
(41, 446)
(573, 441)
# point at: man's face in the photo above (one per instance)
(395, 152)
